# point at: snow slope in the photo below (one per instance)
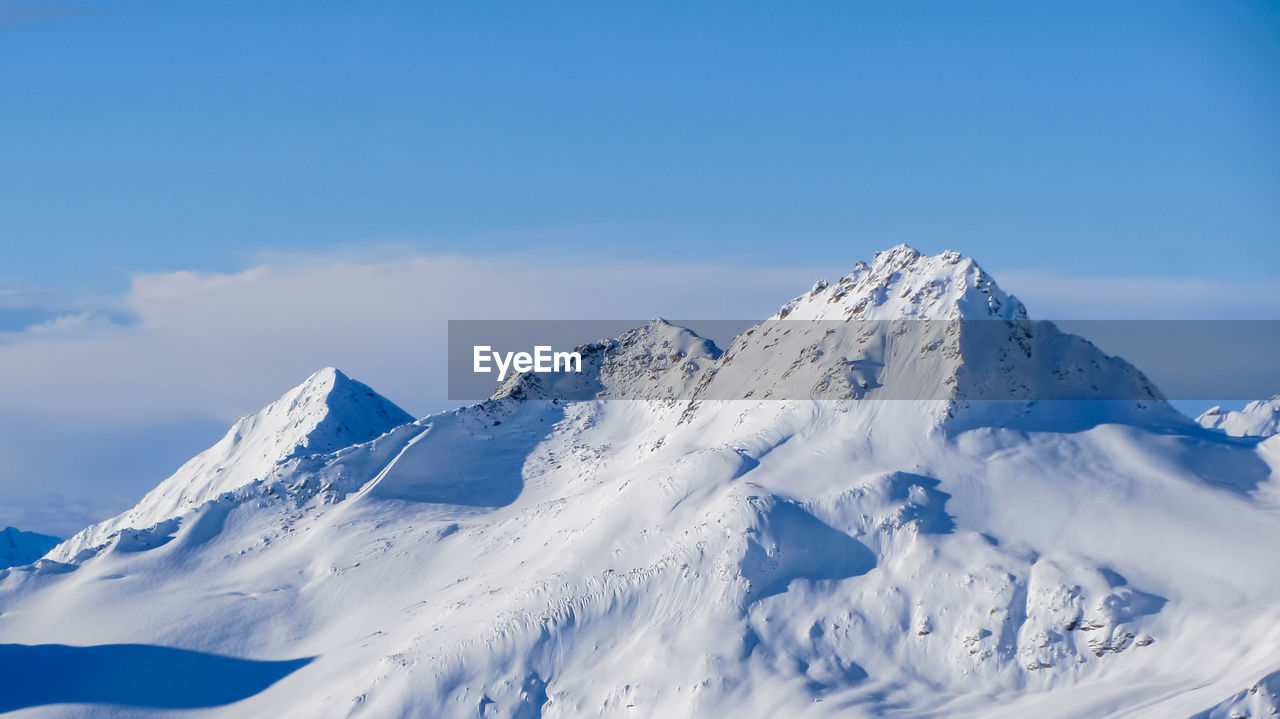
(18, 547)
(857, 556)
(1258, 419)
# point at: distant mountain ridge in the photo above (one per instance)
(18, 547)
(1260, 418)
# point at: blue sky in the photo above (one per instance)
(202, 203)
(1110, 137)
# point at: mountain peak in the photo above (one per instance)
(862, 338)
(657, 360)
(326, 377)
(903, 283)
(900, 254)
(326, 412)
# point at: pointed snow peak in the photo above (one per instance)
(326, 377)
(328, 380)
(899, 255)
(328, 385)
(663, 323)
(859, 338)
(658, 326)
(327, 412)
(902, 283)
(326, 374)
(659, 336)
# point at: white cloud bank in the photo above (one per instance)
(224, 344)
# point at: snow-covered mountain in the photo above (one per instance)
(1260, 418)
(771, 533)
(327, 412)
(18, 547)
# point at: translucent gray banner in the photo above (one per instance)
(864, 359)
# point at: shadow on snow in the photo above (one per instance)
(140, 675)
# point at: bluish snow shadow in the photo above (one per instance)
(792, 544)
(458, 459)
(140, 675)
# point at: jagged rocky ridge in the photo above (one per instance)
(1260, 418)
(676, 558)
